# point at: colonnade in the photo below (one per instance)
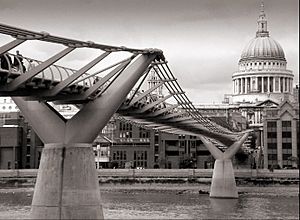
(263, 84)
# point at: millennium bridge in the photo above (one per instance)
(67, 186)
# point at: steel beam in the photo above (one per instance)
(139, 97)
(161, 111)
(172, 115)
(103, 80)
(36, 70)
(63, 84)
(10, 45)
(152, 104)
(180, 119)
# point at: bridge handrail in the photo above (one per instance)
(29, 62)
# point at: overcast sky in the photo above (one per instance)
(201, 39)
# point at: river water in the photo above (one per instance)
(171, 201)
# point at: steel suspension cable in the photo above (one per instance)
(182, 100)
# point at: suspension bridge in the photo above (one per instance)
(67, 186)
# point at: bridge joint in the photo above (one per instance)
(39, 36)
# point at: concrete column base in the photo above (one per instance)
(223, 181)
(67, 184)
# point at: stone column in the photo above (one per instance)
(274, 84)
(262, 84)
(256, 84)
(242, 85)
(233, 87)
(279, 84)
(268, 84)
(283, 83)
(248, 84)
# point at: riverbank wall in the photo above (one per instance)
(27, 177)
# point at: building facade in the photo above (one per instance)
(281, 136)
(20, 147)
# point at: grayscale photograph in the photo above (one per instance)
(149, 109)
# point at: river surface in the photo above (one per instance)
(171, 201)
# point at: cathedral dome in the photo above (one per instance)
(263, 47)
(262, 72)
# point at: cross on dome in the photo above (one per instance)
(262, 8)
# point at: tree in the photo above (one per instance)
(187, 163)
(241, 156)
(114, 164)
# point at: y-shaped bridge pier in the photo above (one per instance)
(67, 186)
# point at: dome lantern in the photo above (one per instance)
(262, 23)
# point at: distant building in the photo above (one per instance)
(101, 147)
(281, 136)
(20, 147)
(12, 140)
(151, 149)
(7, 105)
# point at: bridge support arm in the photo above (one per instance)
(46, 122)
(223, 181)
(95, 114)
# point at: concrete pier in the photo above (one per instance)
(67, 186)
(223, 181)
